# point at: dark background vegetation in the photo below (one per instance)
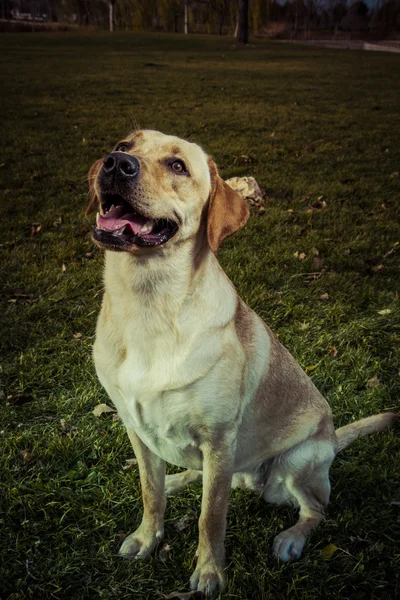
(319, 130)
(305, 19)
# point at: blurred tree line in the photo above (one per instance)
(272, 18)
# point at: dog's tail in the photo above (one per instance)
(347, 434)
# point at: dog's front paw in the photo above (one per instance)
(289, 544)
(209, 579)
(141, 543)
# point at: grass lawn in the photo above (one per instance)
(322, 130)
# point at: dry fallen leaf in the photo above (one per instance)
(26, 456)
(318, 262)
(64, 267)
(66, 427)
(373, 383)
(78, 335)
(163, 554)
(35, 228)
(101, 409)
(324, 297)
(332, 351)
(302, 256)
(385, 311)
(21, 296)
(183, 523)
(129, 463)
(185, 596)
(315, 251)
(377, 268)
(328, 551)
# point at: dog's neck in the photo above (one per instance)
(158, 280)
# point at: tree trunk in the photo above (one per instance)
(111, 5)
(242, 36)
(186, 16)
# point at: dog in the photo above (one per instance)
(198, 379)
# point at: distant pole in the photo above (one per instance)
(242, 36)
(186, 16)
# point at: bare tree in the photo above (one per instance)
(186, 16)
(242, 35)
(111, 6)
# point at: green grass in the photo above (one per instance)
(317, 123)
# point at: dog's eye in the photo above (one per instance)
(178, 166)
(122, 147)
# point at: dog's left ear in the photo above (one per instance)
(227, 211)
(94, 169)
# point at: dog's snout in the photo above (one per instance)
(121, 164)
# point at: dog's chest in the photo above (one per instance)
(155, 385)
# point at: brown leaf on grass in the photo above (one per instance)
(26, 456)
(63, 267)
(318, 205)
(35, 228)
(243, 159)
(21, 296)
(115, 417)
(329, 551)
(67, 428)
(100, 409)
(19, 400)
(318, 262)
(315, 251)
(332, 351)
(299, 255)
(324, 297)
(392, 250)
(185, 596)
(377, 268)
(78, 335)
(129, 463)
(373, 383)
(163, 554)
(347, 251)
(183, 523)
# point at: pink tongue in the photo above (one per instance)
(116, 219)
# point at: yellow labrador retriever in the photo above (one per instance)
(197, 377)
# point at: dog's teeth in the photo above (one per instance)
(111, 207)
(97, 219)
(147, 227)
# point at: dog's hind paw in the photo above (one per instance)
(289, 545)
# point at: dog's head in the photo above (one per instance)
(154, 189)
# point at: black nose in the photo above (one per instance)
(121, 164)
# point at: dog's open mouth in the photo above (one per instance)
(120, 226)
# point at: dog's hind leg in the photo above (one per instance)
(176, 482)
(300, 477)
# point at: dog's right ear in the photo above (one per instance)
(94, 169)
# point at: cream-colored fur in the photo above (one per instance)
(198, 379)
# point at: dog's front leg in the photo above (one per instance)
(152, 479)
(218, 460)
